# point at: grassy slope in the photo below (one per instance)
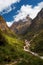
(11, 49)
(37, 44)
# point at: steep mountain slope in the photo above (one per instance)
(11, 50)
(21, 26)
(36, 26)
(37, 44)
(4, 28)
(37, 23)
(3, 25)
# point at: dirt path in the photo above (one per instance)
(13, 63)
(35, 54)
(26, 48)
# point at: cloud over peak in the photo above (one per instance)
(28, 10)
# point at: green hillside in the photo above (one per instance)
(37, 44)
(12, 45)
(11, 49)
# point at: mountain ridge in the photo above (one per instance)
(36, 25)
(12, 47)
(21, 26)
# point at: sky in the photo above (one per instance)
(15, 10)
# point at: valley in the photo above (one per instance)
(22, 43)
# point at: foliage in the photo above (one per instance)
(37, 44)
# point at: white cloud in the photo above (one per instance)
(28, 10)
(9, 23)
(7, 10)
(4, 4)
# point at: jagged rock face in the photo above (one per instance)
(21, 26)
(40, 14)
(35, 27)
(37, 23)
(3, 25)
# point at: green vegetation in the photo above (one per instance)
(11, 49)
(31, 61)
(37, 44)
(12, 45)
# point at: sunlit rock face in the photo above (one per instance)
(3, 25)
(37, 23)
(21, 26)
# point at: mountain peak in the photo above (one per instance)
(42, 10)
(40, 14)
(37, 23)
(21, 26)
